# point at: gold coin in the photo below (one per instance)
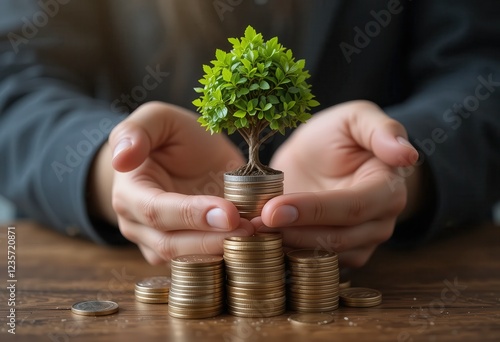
(257, 300)
(294, 273)
(154, 284)
(360, 297)
(94, 308)
(194, 309)
(197, 282)
(311, 256)
(194, 315)
(313, 305)
(235, 256)
(254, 238)
(219, 271)
(256, 313)
(345, 284)
(151, 294)
(312, 297)
(311, 318)
(255, 270)
(151, 300)
(264, 278)
(256, 283)
(314, 281)
(196, 260)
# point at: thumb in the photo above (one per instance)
(384, 136)
(144, 130)
(390, 144)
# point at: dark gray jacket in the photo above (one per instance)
(69, 69)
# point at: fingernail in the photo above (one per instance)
(122, 145)
(284, 215)
(217, 218)
(405, 142)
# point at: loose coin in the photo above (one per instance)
(94, 308)
(154, 284)
(360, 297)
(311, 318)
(345, 284)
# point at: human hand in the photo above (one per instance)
(168, 182)
(339, 191)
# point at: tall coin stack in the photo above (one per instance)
(313, 281)
(197, 288)
(250, 193)
(255, 269)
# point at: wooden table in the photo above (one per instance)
(448, 290)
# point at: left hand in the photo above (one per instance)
(340, 192)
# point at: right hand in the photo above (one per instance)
(168, 183)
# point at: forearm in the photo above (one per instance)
(51, 124)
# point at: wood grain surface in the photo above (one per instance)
(447, 290)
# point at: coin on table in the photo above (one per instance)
(344, 284)
(360, 297)
(154, 284)
(311, 318)
(94, 308)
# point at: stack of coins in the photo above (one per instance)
(255, 269)
(250, 193)
(313, 281)
(153, 290)
(197, 289)
(360, 297)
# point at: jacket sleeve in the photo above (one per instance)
(51, 121)
(453, 114)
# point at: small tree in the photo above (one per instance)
(255, 85)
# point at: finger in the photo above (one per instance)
(146, 129)
(368, 200)
(375, 131)
(167, 245)
(336, 239)
(151, 256)
(167, 211)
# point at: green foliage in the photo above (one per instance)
(257, 83)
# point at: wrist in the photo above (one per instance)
(100, 186)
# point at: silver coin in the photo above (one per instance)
(94, 308)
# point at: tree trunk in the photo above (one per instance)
(254, 141)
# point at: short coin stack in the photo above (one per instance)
(313, 282)
(255, 269)
(360, 297)
(153, 290)
(197, 289)
(250, 193)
